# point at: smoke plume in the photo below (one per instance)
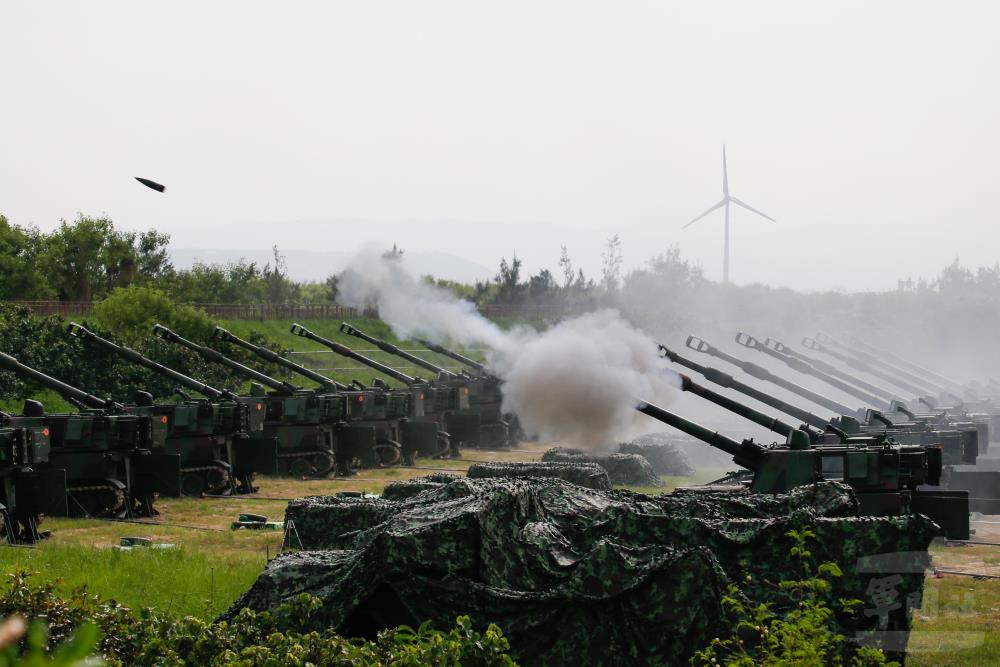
(576, 382)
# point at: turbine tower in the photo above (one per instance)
(726, 200)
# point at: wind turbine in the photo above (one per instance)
(726, 200)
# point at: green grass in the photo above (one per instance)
(52, 401)
(180, 581)
(959, 624)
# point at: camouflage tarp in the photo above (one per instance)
(407, 488)
(665, 457)
(629, 469)
(589, 475)
(574, 575)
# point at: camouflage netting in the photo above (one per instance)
(665, 457)
(589, 475)
(629, 469)
(407, 488)
(574, 575)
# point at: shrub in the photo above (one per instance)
(132, 311)
(803, 634)
(148, 637)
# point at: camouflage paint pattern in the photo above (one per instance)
(576, 575)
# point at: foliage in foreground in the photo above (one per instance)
(805, 635)
(149, 637)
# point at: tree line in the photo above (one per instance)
(88, 258)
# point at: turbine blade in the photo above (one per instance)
(719, 205)
(751, 208)
(725, 173)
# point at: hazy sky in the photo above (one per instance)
(869, 130)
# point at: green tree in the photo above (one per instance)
(19, 251)
(509, 288)
(86, 259)
(611, 267)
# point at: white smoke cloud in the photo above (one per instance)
(412, 308)
(577, 382)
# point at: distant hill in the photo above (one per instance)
(317, 265)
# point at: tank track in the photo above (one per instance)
(320, 462)
(88, 500)
(223, 486)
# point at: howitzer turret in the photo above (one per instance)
(219, 440)
(100, 458)
(486, 396)
(24, 455)
(746, 340)
(304, 422)
(367, 437)
(431, 403)
(762, 373)
(473, 405)
(886, 477)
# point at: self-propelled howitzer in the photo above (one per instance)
(888, 479)
(24, 453)
(357, 442)
(304, 422)
(219, 439)
(486, 395)
(99, 461)
(416, 405)
(472, 406)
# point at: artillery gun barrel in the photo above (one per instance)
(880, 357)
(214, 356)
(911, 384)
(727, 381)
(746, 340)
(746, 454)
(761, 373)
(343, 350)
(887, 394)
(757, 417)
(87, 335)
(269, 355)
(462, 359)
(70, 392)
(386, 346)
